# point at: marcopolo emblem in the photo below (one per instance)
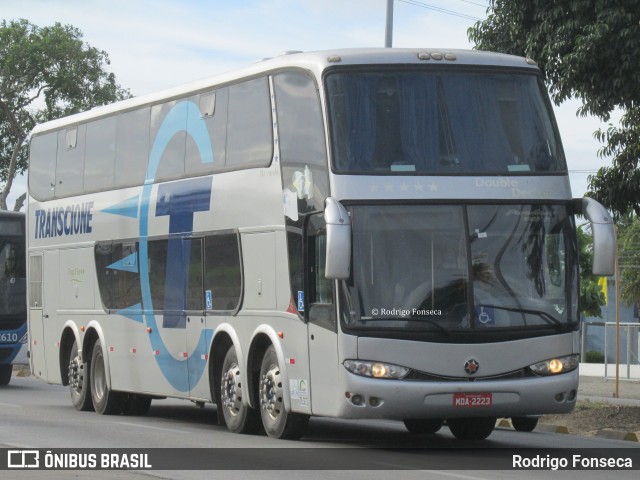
(471, 366)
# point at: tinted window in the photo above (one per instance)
(13, 282)
(172, 161)
(301, 140)
(117, 271)
(223, 277)
(195, 297)
(216, 124)
(132, 147)
(442, 122)
(249, 134)
(157, 271)
(100, 154)
(113, 152)
(42, 166)
(70, 163)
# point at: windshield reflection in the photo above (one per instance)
(446, 269)
(443, 121)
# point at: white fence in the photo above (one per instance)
(629, 346)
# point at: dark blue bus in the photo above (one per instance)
(13, 303)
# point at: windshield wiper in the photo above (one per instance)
(542, 314)
(407, 319)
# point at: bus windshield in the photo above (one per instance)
(12, 279)
(441, 122)
(452, 272)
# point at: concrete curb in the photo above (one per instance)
(618, 435)
(506, 423)
(604, 433)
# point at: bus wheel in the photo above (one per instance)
(471, 428)
(105, 401)
(5, 374)
(78, 375)
(239, 417)
(136, 405)
(278, 423)
(524, 424)
(423, 426)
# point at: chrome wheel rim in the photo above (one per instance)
(271, 392)
(76, 374)
(232, 390)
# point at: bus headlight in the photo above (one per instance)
(376, 369)
(554, 366)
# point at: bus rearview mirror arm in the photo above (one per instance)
(604, 235)
(338, 260)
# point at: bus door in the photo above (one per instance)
(197, 336)
(321, 317)
(42, 308)
(168, 276)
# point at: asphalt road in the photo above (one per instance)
(37, 415)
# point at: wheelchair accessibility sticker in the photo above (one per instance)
(485, 315)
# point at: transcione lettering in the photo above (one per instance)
(62, 221)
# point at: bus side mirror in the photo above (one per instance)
(604, 235)
(338, 262)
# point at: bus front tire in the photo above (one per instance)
(471, 428)
(105, 401)
(423, 426)
(78, 377)
(238, 415)
(524, 424)
(278, 423)
(136, 405)
(5, 374)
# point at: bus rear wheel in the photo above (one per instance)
(105, 401)
(423, 426)
(5, 374)
(278, 423)
(471, 428)
(78, 377)
(238, 415)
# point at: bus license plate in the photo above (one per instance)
(472, 400)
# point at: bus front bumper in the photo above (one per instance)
(365, 397)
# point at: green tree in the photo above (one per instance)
(592, 298)
(629, 259)
(45, 73)
(589, 50)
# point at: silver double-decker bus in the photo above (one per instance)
(367, 233)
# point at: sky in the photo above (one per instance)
(158, 44)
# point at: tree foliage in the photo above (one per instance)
(592, 298)
(45, 73)
(629, 255)
(589, 50)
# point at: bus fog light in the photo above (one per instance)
(376, 369)
(357, 400)
(572, 396)
(554, 366)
